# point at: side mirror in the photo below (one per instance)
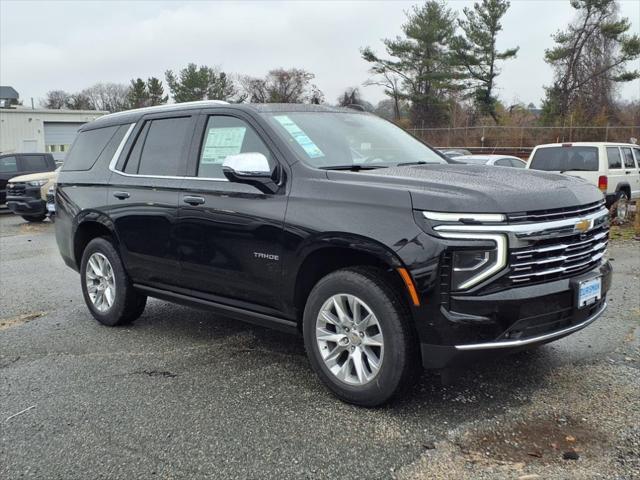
(252, 169)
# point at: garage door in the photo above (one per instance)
(58, 138)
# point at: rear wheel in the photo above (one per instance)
(107, 289)
(622, 205)
(34, 218)
(358, 336)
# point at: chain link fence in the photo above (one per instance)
(500, 137)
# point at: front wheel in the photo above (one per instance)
(358, 336)
(106, 287)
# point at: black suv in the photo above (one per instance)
(334, 223)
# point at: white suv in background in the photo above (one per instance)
(613, 167)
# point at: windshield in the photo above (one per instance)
(562, 159)
(349, 140)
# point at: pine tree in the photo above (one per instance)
(478, 53)
(156, 92)
(138, 95)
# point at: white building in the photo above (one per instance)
(26, 130)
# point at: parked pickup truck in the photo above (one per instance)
(27, 195)
(334, 224)
(14, 164)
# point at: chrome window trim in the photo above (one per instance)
(118, 152)
(501, 255)
(540, 338)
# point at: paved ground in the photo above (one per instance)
(183, 394)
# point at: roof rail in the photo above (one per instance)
(171, 106)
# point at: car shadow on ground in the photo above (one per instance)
(496, 384)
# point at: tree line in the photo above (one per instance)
(441, 70)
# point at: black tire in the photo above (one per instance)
(128, 304)
(400, 363)
(34, 218)
(621, 206)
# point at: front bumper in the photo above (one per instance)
(475, 327)
(26, 205)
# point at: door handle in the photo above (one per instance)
(627, 172)
(121, 195)
(191, 200)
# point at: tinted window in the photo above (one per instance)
(517, 163)
(560, 159)
(33, 163)
(613, 154)
(636, 151)
(163, 146)
(227, 136)
(93, 144)
(627, 157)
(8, 165)
(503, 162)
(134, 156)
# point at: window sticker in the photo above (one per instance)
(310, 148)
(222, 142)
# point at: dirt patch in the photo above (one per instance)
(6, 323)
(538, 441)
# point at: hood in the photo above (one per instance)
(35, 176)
(479, 188)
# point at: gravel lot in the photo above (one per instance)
(185, 394)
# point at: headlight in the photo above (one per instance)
(37, 183)
(473, 266)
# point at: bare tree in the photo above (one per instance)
(282, 86)
(112, 97)
(55, 100)
(391, 83)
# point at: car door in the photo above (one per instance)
(8, 170)
(631, 170)
(143, 196)
(230, 234)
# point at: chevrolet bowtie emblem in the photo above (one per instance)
(582, 226)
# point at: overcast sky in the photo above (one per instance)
(70, 45)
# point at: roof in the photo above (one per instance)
(8, 92)
(587, 144)
(54, 111)
(131, 116)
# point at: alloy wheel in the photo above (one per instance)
(100, 282)
(350, 339)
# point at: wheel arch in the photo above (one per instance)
(332, 252)
(89, 226)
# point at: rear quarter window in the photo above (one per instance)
(560, 159)
(92, 145)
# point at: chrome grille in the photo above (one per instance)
(556, 258)
(555, 214)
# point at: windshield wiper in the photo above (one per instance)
(421, 162)
(353, 168)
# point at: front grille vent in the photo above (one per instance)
(555, 214)
(17, 190)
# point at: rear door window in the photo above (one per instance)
(8, 164)
(517, 163)
(161, 149)
(33, 163)
(92, 145)
(627, 157)
(615, 160)
(636, 151)
(561, 159)
(503, 162)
